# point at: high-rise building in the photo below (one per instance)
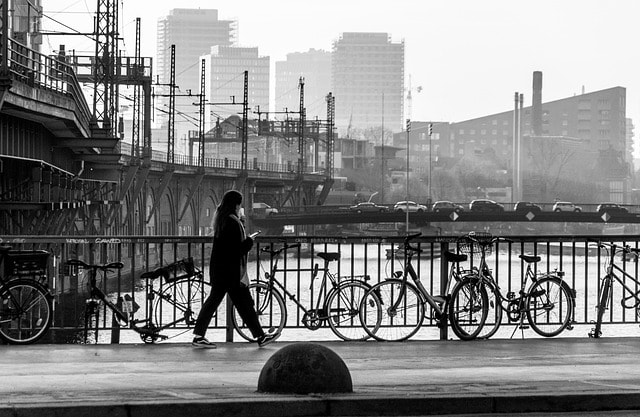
(315, 67)
(367, 76)
(193, 32)
(224, 74)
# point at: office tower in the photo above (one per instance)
(315, 66)
(193, 32)
(364, 67)
(224, 73)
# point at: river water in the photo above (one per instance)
(581, 272)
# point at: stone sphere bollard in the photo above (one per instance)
(303, 368)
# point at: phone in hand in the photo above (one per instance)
(254, 234)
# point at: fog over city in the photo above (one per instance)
(468, 56)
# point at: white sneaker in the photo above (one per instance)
(202, 342)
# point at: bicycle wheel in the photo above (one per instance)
(494, 311)
(549, 306)
(468, 308)
(390, 313)
(25, 311)
(342, 310)
(179, 302)
(271, 310)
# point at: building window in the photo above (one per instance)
(494, 132)
(584, 105)
(584, 133)
(472, 132)
(483, 132)
(461, 131)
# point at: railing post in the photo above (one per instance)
(444, 277)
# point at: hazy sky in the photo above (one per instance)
(469, 56)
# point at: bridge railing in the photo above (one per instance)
(582, 263)
(52, 73)
(192, 160)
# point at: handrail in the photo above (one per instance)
(48, 72)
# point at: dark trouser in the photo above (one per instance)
(241, 298)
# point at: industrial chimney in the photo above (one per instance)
(536, 108)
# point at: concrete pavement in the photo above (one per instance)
(395, 379)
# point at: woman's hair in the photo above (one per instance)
(230, 200)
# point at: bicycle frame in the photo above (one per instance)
(487, 276)
(96, 292)
(435, 302)
(611, 268)
(272, 282)
(605, 289)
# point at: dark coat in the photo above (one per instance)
(229, 252)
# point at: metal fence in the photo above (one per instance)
(582, 262)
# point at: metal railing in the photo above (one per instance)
(582, 263)
(192, 160)
(51, 73)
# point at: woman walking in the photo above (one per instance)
(228, 272)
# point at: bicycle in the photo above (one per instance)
(178, 302)
(545, 299)
(26, 309)
(338, 308)
(394, 309)
(606, 285)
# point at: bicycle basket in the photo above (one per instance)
(183, 268)
(474, 245)
(26, 263)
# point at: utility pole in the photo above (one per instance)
(137, 100)
(382, 156)
(301, 128)
(171, 134)
(105, 89)
(201, 114)
(331, 112)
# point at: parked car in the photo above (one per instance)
(412, 206)
(566, 206)
(368, 206)
(487, 206)
(526, 207)
(264, 209)
(446, 207)
(611, 208)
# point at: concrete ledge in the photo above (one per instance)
(340, 405)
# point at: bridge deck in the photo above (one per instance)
(410, 378)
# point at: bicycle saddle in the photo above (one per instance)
(329, 256)
(530, 259)
(454, 257)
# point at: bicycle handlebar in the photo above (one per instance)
(82, 264)
(277, 251)
(621, 248)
